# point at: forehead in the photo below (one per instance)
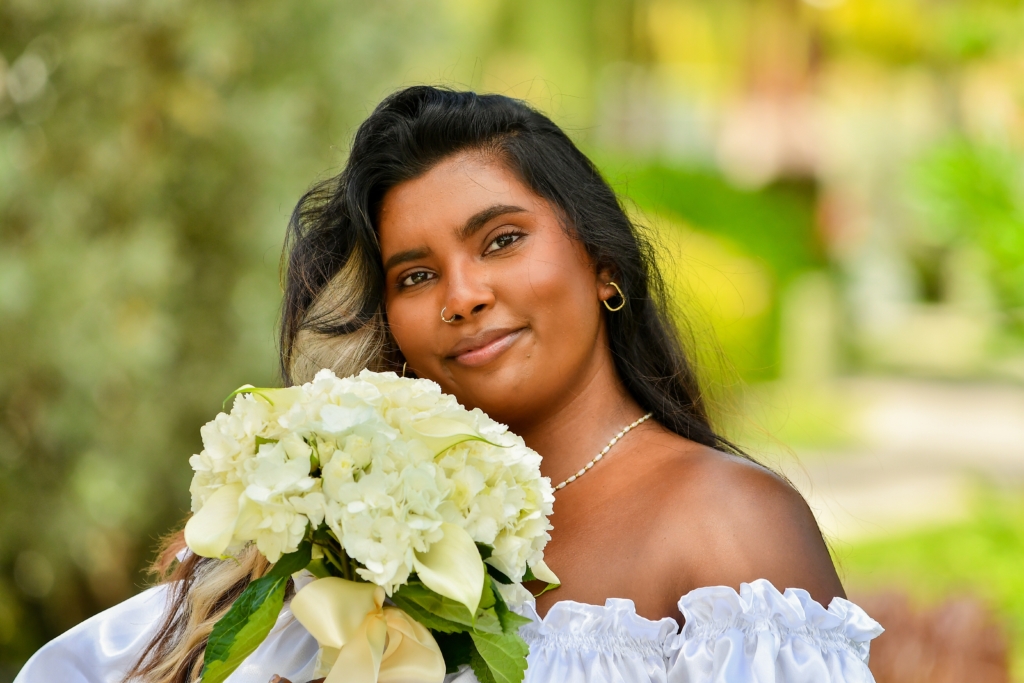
(450, 192)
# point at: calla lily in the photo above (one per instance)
(208, 533)
(542, 572)
(361, 640)
(453, 568)
(282, 398)
(441, 433)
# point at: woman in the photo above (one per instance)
(468, 241)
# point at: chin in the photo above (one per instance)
(502, 392)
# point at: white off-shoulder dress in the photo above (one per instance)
(757, 635)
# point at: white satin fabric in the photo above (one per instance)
(755, 636)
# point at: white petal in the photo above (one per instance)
(441, 433)
(208, 533)
(544, 573)
(339, 419)
(452, 567)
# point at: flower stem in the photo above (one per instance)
(346, 563)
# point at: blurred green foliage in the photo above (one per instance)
(150, 154)
(978, 557)
(902, 32)
(151, 151)
(971, 195)
(774, 226)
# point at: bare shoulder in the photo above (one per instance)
(734, 521)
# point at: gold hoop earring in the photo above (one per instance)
(621, 296)
(443, 319)
(403, 368)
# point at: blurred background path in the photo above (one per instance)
(924, 450)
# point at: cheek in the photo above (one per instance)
(409, 322)
(559, 295)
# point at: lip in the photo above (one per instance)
(484, 347)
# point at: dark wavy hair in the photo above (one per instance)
(333, 313)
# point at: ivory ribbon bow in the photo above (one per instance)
(361, 641)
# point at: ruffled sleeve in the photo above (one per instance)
(760, 635)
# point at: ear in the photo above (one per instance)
(606, 274)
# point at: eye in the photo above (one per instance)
(502, 241)
(416, 278)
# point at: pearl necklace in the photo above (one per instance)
(615, 440)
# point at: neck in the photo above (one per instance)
(574, 432)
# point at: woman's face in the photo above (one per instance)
(524, 298)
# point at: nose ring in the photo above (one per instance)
(447, 320)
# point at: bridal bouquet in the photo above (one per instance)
(418, 518)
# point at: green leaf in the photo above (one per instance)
(479, 666)
(339, 564)
(253, 614)
(446, 608)
(293, 562)
(485, 550)
(548, 587)
(410, 600)
(431, 621)
(261, 440)
(528, 576)
(456, 648)
(323, 535)
(319, 569)
(510, 621)
(487, 598)
(443, 614)
(244, 627)
(488, 622)
(504, 657)
(497, 575)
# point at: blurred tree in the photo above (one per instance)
(150, 153)
(972, 195)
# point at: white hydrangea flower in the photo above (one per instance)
(349, 452)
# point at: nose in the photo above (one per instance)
(467, 294)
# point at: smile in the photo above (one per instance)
(484, 347)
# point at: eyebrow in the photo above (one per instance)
(468, 229)
(405, 256)
(482, 218)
